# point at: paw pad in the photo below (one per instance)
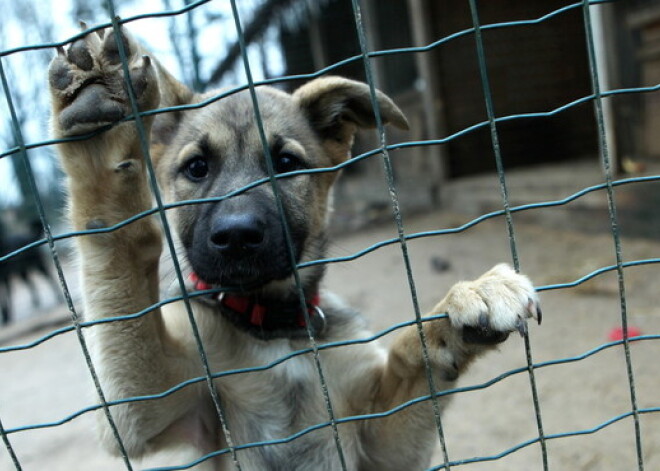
(88, 85)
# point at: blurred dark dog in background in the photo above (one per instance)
(22, 266)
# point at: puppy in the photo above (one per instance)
(246, 245)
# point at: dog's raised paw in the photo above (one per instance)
(488, 309)
(88, 86)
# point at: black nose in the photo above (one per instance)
(237, 234)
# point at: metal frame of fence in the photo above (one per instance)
(382, 152)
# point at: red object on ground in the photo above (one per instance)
(617, 333)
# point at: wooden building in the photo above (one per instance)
(532, 68)
(635, 62)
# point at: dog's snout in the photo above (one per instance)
(238, 234)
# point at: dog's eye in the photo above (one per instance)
(287, 162)
(196, 169)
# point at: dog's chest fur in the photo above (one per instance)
(274, 403)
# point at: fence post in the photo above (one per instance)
(433, 104)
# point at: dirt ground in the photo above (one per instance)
(50, 381)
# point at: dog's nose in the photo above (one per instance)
(238, 234)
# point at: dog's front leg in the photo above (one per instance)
(107, 183)
(481, 314)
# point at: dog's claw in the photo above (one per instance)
(534, 310)
(61, 51)
(83, 25)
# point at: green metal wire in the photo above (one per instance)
(490, 111)
(400, 145)
(144, 147)
(18, 137)
(382, 152)
(342, 344)
(194, 53)
(410, 403)
(10, 448)
(398, 218)
(192, 6)
(614, 222)
(288, 238)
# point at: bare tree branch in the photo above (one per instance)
(264, 16)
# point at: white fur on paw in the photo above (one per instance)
(499, 301)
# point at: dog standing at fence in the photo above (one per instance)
(240, 244)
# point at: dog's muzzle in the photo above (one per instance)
(241, 242)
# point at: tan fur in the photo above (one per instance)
(108, 183)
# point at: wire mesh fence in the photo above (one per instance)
(403, 238)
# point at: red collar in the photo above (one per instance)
(256, 313)
(268, 318)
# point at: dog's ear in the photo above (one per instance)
(336, 107)
(172, 94)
